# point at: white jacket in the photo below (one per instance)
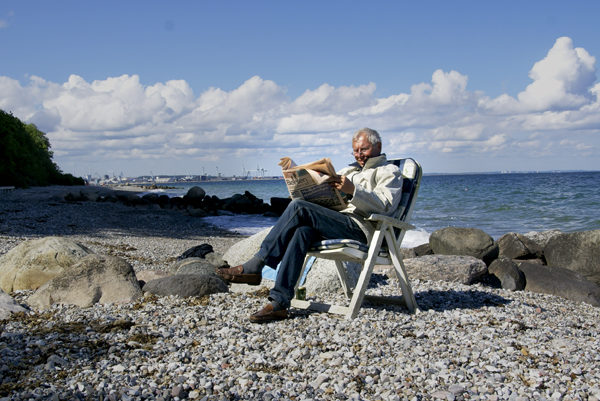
(377, 189)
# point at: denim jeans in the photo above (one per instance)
(301, 224)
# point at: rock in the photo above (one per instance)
(579, 251)
(194, 266)
(454, 268)
(518, 246)
(561, 282)
(196, 192)
(32, 263)
(464, 241)
(94, 279)
(278, 205)
(541, 238)
(144, 276)
(199, 251)
(423, 249)
(8, 306)
(511, 278)
(243, 250)
(196, 212)
(322, 278)
(186, 285)
(246, 203)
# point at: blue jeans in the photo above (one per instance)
(301, 224)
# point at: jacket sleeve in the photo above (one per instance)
(380, 194)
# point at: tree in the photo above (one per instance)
(26, 158)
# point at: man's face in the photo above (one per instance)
(363, 150)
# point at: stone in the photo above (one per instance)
(8, 306)
(541, 238)
(193, 266)
(464, 241)
(32, 263)
(561, 282)
(322, 278)
(455, 268)
(186, 285)
(578, 251)
(518, 246)
(507, 271)
(94, 279)
(198, 251)
(243, 250)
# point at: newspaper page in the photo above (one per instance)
(311, 182)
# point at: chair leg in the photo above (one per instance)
(365, 276)
(343, 276)
(403, 281)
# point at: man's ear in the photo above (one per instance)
(377, 148)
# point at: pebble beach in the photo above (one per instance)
(466, 343)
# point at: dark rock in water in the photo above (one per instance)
(186, 285)
(194, 197)
(518, 246)
(579, 251)
(278, 205)
(464, 241)
(561, 282)
(199, 251)
(246, 203)
(511, 278)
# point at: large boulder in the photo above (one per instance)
(186, 285)
(518, 246)
(94, 279)
(541, 238)
(322, 278)
(560, 282)
(245, 249)
(32, 263)
(464, 241)
(8, 306)
(507, 271)
(453, 268)
(579, 251)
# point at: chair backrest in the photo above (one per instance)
(411, 174)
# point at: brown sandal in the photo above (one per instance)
(236, 275)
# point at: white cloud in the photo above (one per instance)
(120, 121)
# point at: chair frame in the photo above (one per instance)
(389, 230)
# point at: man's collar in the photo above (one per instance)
(371, 162)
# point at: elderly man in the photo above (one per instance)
(373, 186)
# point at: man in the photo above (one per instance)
(373, 186)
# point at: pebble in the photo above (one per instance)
(468, 343)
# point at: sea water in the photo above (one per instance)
(494, 203)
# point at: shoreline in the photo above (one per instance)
(469, 342)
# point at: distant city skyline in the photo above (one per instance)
(192, 88)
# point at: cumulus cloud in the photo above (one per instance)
(165, 126)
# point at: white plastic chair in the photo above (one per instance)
(390, 231)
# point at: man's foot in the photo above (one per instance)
(236, 275)
(269, 314)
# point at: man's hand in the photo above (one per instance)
(343, 184)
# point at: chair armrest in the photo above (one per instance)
(391, 221)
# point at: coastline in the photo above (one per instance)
(469, 342)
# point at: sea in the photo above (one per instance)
(497, 203)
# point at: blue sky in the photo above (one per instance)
(188, 87)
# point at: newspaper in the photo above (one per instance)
(311, 182)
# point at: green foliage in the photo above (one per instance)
(26, 158)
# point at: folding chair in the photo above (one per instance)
(389, 230)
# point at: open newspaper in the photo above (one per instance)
(311, 182)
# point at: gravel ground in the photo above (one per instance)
(467, 343)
